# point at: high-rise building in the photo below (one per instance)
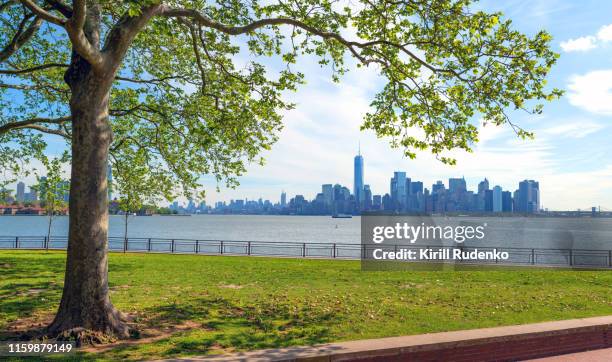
(283, 199)
(497, 199)
(529, 196)
(328, 194)
(416, 187)
(387, 203)
(438, 187)
(506, 201)
(367, 197)
(32, 195)
(358, 180)
(488, 200)
(20, 195)
(377, 202)
(483, 185)
(398, 190)
(456, 185)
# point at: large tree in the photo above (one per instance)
(184, 84)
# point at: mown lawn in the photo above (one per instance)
(242, 303)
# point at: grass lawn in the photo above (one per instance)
(243, 303)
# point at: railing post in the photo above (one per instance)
(46, 243)
(571, 257)
(532, 256)
(248, 248)
(334, 251)
(303, 250)
(197, 246)
(172, 246)
(221, 248)
(16, 242)
(149, 245)
(610, 258)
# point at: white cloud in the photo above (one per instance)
(579, 44)
(605, 33)
(574, 129)
(588, 42)
(592, 91)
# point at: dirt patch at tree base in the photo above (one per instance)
(34, 328)
(146, 335)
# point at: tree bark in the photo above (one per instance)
(49, 229)
(125, 239)
(85, 304)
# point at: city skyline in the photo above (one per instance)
(404, 194)
(499, 199)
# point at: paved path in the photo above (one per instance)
(600, 355)
(436, 344)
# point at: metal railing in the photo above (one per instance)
(520, 256)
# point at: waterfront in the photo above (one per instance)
(565, 233)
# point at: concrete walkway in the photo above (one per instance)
(600, 355)
(499, 343)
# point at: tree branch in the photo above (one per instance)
(33, 69)
(35, 123)
(203, 20)
(44, 129)
(79, 41)
(21, 37)
(121, 35)
(43, 13)
(149, 81)
(61, 7)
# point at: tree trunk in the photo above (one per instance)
(125, 239)
(85, 304)
(49, 230)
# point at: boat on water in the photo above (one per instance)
(342, 216)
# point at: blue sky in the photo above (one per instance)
(569, 155)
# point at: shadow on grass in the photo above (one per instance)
(18, 267)
(19, 302)
(218, 325)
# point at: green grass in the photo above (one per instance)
(242, 303)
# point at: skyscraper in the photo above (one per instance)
(398, 190)
(529, 196)
(328, 194)
(358, 180)
(488, 200)
(20, 192)
(456, 185)
(497, 199)
(506, 201)
(483, 186)
(283, 199)
(367, 197)
(416, 187)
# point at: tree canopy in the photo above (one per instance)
(193, 93)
